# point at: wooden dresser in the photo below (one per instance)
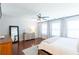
(6, 46)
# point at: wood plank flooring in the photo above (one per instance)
(18, 47)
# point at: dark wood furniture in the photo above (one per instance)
(43, 52)
(6, 46)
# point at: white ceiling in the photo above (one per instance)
(53, 10)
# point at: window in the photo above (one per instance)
(44, 28)
(66, 27)
(73, 28)
(55, 28)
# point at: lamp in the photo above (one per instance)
(33, 29)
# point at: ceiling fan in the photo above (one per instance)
(39, 17)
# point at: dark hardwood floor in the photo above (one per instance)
(18, 47)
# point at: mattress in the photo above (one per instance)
(60, 46)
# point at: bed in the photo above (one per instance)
(60, 46)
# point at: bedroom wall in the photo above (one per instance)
(25, 24)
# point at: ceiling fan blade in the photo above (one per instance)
(39, 15)
(45, 17)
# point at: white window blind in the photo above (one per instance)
(55, 28)
(73, 28)
(44, 28)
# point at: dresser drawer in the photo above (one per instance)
(6, 49)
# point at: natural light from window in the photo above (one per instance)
(73, 28)
(44, 28)
(55, 28)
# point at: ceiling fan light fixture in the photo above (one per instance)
(41, 17)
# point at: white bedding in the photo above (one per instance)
(60, 46)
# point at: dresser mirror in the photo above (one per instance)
(14, 33)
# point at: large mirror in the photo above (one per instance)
(14, 33)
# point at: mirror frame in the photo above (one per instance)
(17, 32)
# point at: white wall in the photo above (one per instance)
(0, 25)
(25, 24)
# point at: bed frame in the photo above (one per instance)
(43, 52)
